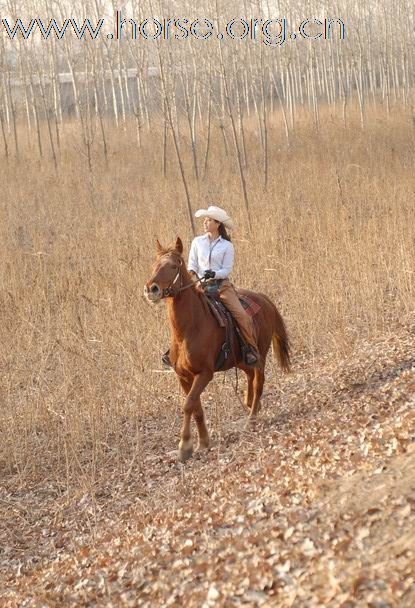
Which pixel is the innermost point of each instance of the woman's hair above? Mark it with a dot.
(223, 232)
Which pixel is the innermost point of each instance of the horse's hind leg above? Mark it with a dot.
(249, 393)
(202, 431)
(258, 386)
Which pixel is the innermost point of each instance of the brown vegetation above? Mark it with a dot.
(84, 406)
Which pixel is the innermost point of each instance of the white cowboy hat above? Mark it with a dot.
(217, 214)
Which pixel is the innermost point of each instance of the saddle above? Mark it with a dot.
(225, 319)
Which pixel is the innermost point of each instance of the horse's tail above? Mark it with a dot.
(280, 342)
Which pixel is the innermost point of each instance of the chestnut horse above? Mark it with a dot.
(196, 339)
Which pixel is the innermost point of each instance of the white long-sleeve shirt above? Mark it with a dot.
(217, 255)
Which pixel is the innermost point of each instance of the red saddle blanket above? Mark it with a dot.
(218, 309)
(251, 307)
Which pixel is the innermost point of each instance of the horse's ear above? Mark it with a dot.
(159, 247)
(179, 245)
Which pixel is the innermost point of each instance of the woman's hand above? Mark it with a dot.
(209, 274)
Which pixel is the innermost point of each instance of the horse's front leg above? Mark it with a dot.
(193, 407)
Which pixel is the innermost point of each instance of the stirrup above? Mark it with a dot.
(251, 357)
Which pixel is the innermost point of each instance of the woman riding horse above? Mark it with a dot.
(211, 257)
(196, 337)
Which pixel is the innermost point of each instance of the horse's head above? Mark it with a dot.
(166, 279)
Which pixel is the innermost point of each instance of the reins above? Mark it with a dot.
(169, 292)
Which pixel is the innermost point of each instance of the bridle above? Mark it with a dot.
(170, 292)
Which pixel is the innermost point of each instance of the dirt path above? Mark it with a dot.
(317, 508)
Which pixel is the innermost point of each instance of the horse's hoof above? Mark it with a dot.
(251, 424)
(185, 450)
(185, 455)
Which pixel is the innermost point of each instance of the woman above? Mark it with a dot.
(211, 256)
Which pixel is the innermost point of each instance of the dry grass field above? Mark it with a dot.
(88, 419)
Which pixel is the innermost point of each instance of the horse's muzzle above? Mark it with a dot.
(153, 292)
